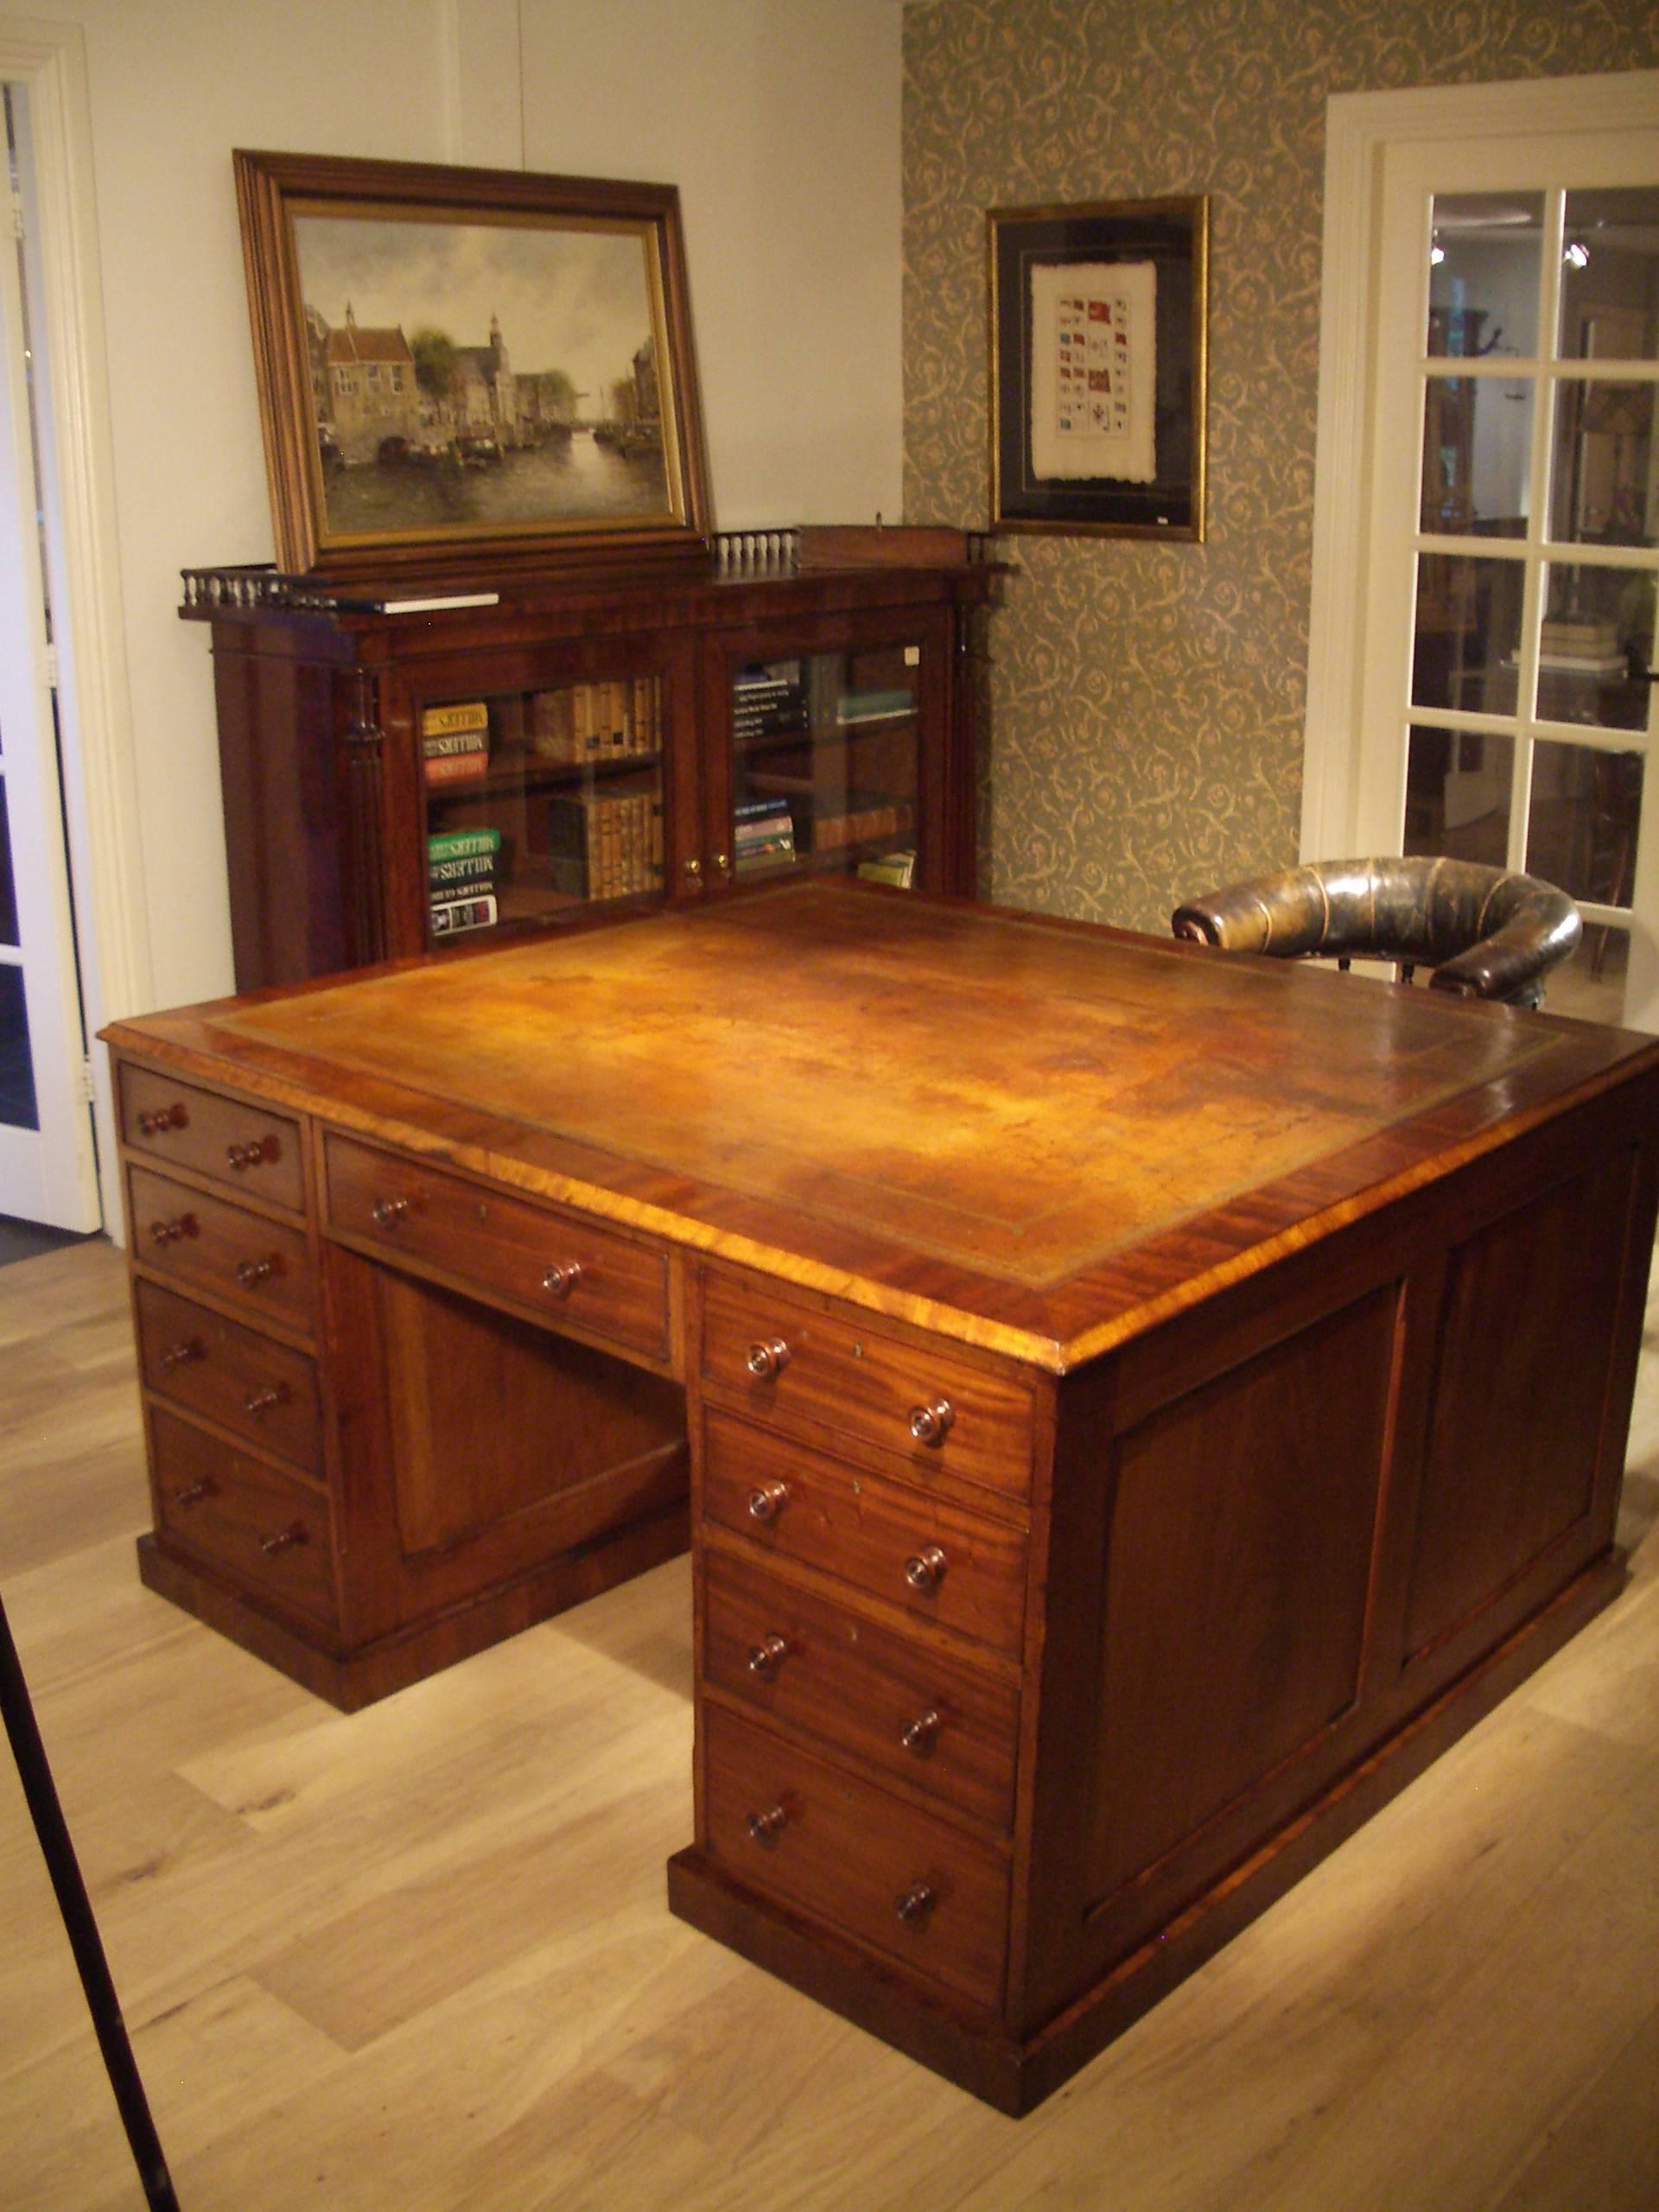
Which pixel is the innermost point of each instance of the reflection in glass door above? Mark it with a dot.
(1531, 706)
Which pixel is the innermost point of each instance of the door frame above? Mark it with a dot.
(100, 784)
(1359, 126)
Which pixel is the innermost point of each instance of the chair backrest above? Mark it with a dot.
(1488, 932)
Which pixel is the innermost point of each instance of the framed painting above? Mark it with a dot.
(1098, 367)
(463, 368)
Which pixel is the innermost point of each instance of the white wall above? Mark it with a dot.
(779, 119)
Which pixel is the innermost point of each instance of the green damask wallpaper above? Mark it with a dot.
(1146, 701)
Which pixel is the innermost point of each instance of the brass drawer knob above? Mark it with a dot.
(917, 1903)
(386, 1213)
(244, 1156)
(929, 1423)
(924, 1570)
(180, 1355)
(251, 1273)
(767, 1657)
(285, 1540)
(157, 1124)
(767, 1827)
(170, 1232)
(767, 1501)
(259, 1402)
(559, 1282)
(766, 1362)
(693, 870)
(722, 864)
(922, 1733)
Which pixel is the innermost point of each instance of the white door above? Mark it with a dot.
(47, 1163)
(1506, 520)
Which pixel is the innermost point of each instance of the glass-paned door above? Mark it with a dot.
(541, 800)
(1515, 727)
(826, 763)
(47, 1165)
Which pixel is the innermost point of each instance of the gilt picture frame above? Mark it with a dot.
(1098, 367)
(465, 369)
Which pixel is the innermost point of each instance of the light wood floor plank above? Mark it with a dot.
(419, 1958)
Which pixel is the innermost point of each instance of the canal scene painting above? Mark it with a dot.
(468, 374)
(467, 357)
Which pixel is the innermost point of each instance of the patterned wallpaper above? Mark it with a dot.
(1146, 701)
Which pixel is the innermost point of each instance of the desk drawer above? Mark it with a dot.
(799, 1829)
(895, 1703)
(249, 1383)
(270, 1534)
(890, 1539)
(248, 1148)
(786, 1363)
(209, 1243)
(555, 1264)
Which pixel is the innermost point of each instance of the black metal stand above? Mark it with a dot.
(82, 1929)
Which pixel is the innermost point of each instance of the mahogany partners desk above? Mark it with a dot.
(1140, 1404)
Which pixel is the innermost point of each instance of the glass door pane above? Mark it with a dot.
(542, 802)
(825, 763)
(1537, 518)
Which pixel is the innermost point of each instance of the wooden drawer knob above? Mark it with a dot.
(767, 1361)
(285, 1540)
(157, 1124)
(922, 1733)
(194, 1492)
(170, 1232)
(559, 1282)
(768, 1501)
(930, 1424)
(924, 1570)
(386, 1213)
(917, 1903)
(767, 1827)
(251, 1273)
(180, 1355)
(767, 1657)
(244, 1156)
(259, 1402)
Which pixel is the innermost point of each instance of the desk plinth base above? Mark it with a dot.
(976, 2052)
(352, 1678)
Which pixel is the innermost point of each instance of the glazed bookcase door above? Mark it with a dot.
(833, 751)
(541, 797)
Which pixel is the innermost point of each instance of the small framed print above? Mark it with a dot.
(1098, 367)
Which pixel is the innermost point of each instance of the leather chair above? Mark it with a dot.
(1487, 932)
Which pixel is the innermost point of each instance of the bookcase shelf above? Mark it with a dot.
(344, 840)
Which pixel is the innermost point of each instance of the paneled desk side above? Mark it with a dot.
(1141, 1406)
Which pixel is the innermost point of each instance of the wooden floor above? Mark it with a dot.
(420, 1958)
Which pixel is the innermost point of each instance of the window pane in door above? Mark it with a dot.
(18, 1109)
(1476, 440)
(1458, 794)
(1594, 647)
(1483, 272)
(1468, 632)
(1603, 491)
(1581, 826)
(1610, 276)
(7, 881)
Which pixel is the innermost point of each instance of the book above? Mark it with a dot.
(438, 602)
(455, 845)
(898, 869)
(875, 705)
(451, 916)
(446, 721)
(467, 872)
(457, 767)
(458, 741)
(602, 844)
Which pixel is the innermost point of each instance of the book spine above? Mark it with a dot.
(458, 844)
(456, 767)
(471, 872)
(451, 916)
(447, 721)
